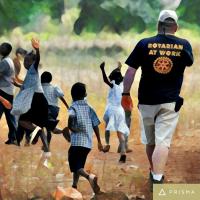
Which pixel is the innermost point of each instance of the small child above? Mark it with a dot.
(52, 94)
(20, 54)
(82, 122)
(7, 73)
(30, 105)
(114, 116)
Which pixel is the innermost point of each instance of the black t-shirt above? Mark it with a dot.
(163, 59)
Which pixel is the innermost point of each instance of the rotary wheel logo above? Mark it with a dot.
(163, 65)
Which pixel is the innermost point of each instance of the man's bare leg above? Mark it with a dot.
(159, 159)
(149, 152)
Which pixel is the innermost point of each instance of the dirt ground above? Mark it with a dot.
(23, 175)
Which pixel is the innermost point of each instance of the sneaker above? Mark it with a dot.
(106, 148)
(35, 135)
(74, 186)
(93, 182)
(11, 142)
(122, 159)
(129, 150)
(153, 181)
(48, 164)
(66, 134)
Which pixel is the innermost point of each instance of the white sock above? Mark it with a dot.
(157, 177)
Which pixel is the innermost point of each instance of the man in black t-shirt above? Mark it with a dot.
(163, 59)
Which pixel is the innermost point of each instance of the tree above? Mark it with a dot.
(189, 11)
(17, 13)
(116, 15)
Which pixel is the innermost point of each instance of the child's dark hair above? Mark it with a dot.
(116, 76)
(21, 51)
(78, 91)
(46, 77)
(5, 49)
(29, 59)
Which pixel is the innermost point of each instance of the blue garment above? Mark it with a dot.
(31, 85)
(6, 91)
(7, 73)
(85, 120)
(52, 93)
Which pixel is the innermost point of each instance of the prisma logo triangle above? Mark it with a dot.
(162, 192)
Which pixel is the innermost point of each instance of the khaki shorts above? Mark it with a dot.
(158, 123)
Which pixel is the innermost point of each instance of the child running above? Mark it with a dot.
(114, 116)
(20, 54)
(82, 122)
(30, 105)
(52, 94)
(7, 72)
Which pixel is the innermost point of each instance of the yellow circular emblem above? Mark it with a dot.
(163, 65)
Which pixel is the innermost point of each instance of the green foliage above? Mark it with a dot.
(116, 15)
(53, 17)
(20, 12)
(189, 11)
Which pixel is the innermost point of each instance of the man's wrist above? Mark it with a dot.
(126, 94)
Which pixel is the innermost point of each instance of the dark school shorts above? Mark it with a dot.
(38, 113)
(77, 157)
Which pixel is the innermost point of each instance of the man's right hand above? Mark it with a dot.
(127, 102)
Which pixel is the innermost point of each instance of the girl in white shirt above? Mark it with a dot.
(114, 116)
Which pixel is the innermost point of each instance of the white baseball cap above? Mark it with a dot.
(164, 14)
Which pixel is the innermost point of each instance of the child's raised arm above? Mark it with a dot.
(36, 46)
(105, 78)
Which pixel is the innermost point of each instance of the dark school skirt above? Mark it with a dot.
(53, 112)
(38, 113)
(77, 157)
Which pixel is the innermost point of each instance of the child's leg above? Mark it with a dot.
(91, 178)
(27, 125)
(44, 141)
(49, 136)
(128, 122)
(19, 134)
(83, 173)
(126, 146)
(28, 136)
(107, 137)
(121, 138)
(35, 130)
(122, 145)
(75, 179)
